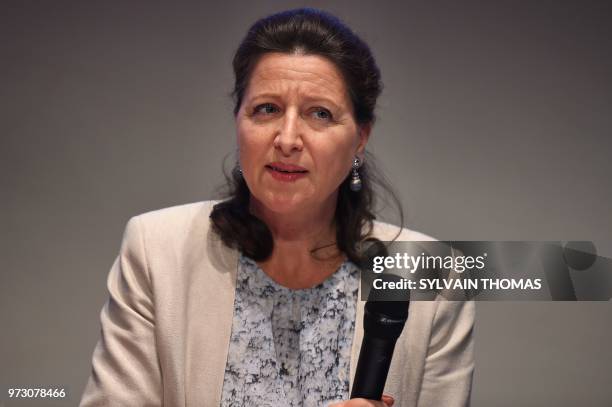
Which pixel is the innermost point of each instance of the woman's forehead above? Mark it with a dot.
(277, 72)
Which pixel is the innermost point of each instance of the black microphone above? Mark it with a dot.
(383, 322)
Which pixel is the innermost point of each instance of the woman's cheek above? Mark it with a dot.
(336, 172)
(250, 145)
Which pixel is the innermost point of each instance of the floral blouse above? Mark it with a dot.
(290, 347)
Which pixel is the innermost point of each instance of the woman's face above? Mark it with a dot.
(297, 135)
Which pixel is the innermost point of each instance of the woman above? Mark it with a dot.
(254, 300)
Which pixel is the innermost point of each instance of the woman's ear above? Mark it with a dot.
(364, 135)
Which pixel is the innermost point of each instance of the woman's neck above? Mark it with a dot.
(305, 251)
(309, 226)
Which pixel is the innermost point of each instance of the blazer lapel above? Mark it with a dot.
(357, 336)
(210, 311)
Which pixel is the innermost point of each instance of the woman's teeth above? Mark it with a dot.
(287, 171)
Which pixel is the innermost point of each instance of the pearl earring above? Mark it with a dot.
(355, 178)
(238, 169)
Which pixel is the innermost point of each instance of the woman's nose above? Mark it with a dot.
(289, 136)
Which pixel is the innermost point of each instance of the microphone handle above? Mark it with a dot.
(372, 367)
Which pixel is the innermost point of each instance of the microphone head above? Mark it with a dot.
(386, 313)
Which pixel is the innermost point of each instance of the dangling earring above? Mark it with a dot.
(355, 178)
(237, 169)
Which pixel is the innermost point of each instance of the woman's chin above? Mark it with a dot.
(283, 203)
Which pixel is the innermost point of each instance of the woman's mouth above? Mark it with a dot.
(286, 172)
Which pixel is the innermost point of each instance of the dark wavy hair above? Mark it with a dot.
(311, 32)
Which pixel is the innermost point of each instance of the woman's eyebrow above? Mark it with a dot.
(321, 98)
(270, 95)
(308, 98)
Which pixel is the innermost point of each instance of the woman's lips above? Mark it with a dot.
(286, 172)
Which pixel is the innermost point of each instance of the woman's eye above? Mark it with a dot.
(322, 114)
(266, 108)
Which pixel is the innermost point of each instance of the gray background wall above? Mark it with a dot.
(494, 124)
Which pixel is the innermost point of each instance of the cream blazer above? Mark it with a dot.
(165, 329)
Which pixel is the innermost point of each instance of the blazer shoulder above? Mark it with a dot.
(177, 212)
(177, 215)
(175, 224)
(387, 232)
